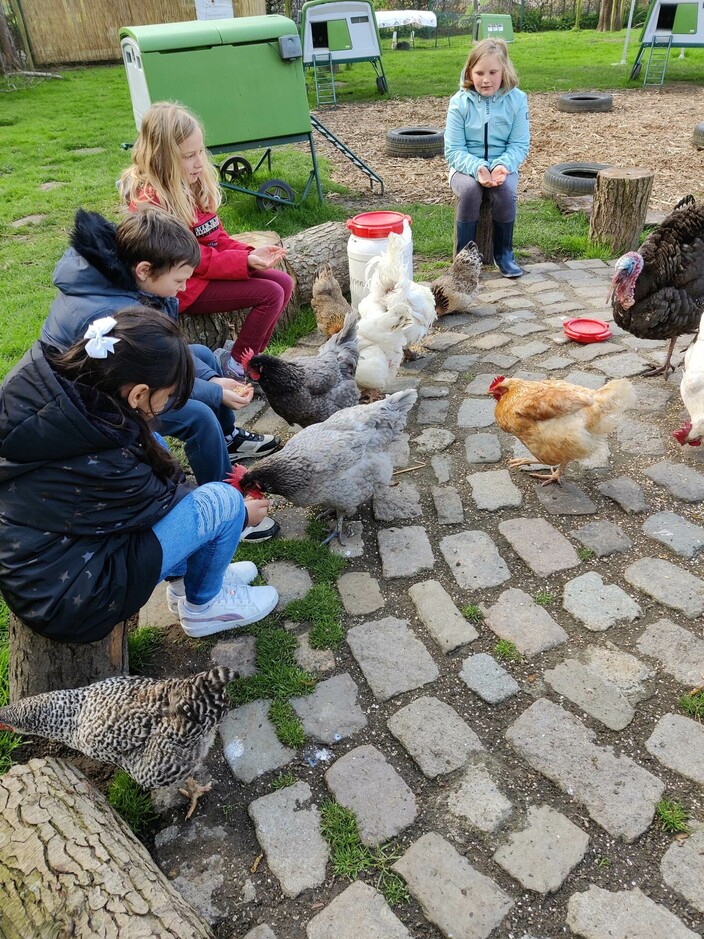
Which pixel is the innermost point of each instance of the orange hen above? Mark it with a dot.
(557, 421)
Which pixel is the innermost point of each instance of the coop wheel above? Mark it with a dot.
(698, 136)
(415, 142)
(635, 71)
(571, 179)
(274, 187)
(580, 101)
(381, 85)
(235, 169)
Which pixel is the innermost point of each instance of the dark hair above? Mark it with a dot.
(151, 351)
(150, 234)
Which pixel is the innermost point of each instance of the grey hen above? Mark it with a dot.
(456, 289)
(339, 464)
(159, 731)
(658, 291)
(308, 390)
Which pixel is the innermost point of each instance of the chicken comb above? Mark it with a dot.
(496, 381)
(235, 476)
(246, 358)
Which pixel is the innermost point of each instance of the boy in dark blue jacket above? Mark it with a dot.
(147, 259)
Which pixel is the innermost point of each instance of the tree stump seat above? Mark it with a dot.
(620, 205)
(307, 251)
(38, 664)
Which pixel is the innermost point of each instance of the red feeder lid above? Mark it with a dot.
(583, 329)
(377, 224)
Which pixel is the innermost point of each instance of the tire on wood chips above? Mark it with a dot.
(580, 101)
(571, 179)
(698, 136)
(415, 142)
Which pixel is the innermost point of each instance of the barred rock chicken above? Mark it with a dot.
(309, 389)
(455, 290)
(339, 465)
(159, 731)
(557, 421)
(692, 391)
(658, 291)
(395, 313)
(328, 303)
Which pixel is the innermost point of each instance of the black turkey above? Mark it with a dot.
(658, 291)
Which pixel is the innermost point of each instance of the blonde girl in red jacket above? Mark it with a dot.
(170, 168)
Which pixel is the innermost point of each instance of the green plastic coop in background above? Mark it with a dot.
(493, 26)
(243, 77)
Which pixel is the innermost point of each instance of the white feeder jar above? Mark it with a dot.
(369, 239)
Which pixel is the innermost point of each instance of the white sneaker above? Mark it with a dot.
(230, 609)
(240, 572)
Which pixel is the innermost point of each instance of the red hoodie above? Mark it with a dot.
(221, 257)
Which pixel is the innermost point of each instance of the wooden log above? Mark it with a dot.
(620, 205)
(38, 664)
(213, 329)
(485, 230)
(313, 247)
(69, 866)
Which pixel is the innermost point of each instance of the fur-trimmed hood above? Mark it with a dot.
(93, 282)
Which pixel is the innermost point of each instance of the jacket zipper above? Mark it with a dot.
(486, 134)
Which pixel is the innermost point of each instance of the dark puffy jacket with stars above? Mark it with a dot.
(77, 504)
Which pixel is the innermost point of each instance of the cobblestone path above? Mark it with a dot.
(521, 795)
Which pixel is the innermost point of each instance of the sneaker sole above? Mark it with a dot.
(198, 630)
(256, 538)
(253, 454)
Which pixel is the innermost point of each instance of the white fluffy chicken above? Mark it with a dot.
(395, 313)
(692, 391)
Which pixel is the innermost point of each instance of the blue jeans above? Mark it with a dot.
(199, 537)
(202, 424)
(469, 192)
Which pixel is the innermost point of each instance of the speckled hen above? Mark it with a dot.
(658, 291)
(159, 731)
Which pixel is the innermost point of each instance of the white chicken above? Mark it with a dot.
(395, 313)
(692, 391)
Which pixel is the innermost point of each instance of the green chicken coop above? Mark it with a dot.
(242, 77)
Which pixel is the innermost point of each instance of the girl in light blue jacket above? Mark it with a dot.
(487, 136)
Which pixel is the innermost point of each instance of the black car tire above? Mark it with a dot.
(415, 142)
(571, 179)
(582, 101)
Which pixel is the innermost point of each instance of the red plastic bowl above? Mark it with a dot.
(583, 329)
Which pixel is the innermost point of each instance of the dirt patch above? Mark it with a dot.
(645, 128)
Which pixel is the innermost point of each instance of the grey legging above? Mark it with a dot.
(469, 198)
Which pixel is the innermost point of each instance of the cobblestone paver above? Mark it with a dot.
(519, 794)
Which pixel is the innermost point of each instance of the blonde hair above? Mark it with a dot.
(497, 47)
(156, 172)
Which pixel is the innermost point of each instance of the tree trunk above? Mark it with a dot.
(9, 55)
(605, 15)
(69, 867)
(213, 329)
(620, 206)
(38, 664)
(616, 15)
(313, 247)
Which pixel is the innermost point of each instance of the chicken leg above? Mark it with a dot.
(337, 531)
(554, 476)
(193, 790)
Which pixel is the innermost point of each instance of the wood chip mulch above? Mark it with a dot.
(645, 128)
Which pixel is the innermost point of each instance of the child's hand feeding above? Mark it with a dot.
(264, 257)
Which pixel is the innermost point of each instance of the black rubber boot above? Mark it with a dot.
(466, 232)
(503, 250)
